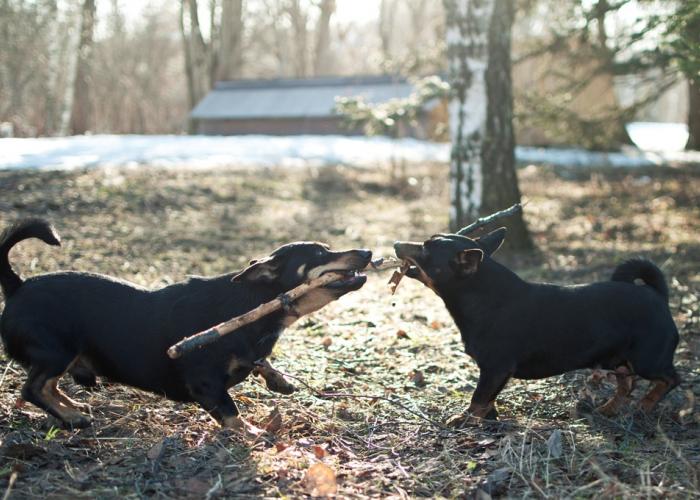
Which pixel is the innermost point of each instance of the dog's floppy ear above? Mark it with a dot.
(264, 269)
(467, 261)
(492, 241)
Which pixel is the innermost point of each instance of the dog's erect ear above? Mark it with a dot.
(265, 269)
(492, 241)
(467, 261)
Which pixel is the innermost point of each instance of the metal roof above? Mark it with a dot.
(290, 98)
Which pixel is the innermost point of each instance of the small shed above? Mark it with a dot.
(294, 106)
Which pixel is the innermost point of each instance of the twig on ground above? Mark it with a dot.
(11, 483)
(483, 221)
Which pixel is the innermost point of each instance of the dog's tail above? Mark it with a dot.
(29, 228)
(642, 269)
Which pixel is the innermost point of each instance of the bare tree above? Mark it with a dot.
(80, 114)
(322, 63)
(694, 113)
(482, 170)
(387, 18)
(230, 50)
(298, 18)
(197, 56)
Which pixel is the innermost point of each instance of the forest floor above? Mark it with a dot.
(397, 360)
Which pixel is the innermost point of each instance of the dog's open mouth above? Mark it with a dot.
(352, 278)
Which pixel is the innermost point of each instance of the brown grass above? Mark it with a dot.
(156, 226)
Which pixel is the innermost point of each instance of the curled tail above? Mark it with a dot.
(28, 228)
(642, 269)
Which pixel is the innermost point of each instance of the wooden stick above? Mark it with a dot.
(483, 221)
(215, 332)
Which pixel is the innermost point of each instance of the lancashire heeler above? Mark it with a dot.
(513, 328)
(92, 324)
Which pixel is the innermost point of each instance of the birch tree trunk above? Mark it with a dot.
(482, 163)
(72, 56)
(80, 116)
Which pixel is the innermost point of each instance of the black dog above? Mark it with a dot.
(94, 324)
(513, 328)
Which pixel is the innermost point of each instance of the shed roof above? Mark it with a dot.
(294, 98)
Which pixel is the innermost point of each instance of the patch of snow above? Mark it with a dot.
(66, 153)
(657, 136)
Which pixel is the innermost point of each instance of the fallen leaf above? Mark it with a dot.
(326, 342)
(320, 481)
(554, 445)
(318, 451)
(273, 422)
(435, 325)
(156, 450)
(401, 334)
(418, 378)
(280, 447)
(196, 487)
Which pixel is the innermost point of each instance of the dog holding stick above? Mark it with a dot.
(89, 324)
(514, 328)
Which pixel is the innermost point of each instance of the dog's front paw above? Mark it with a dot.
(280, 385)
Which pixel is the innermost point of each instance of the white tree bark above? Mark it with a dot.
(467, 30)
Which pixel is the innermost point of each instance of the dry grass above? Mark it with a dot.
(154, 227)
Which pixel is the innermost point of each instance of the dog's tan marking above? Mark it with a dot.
(480, 411)
(625, 385)
(658, 390)
(301, 270)
(234, 365)
(313, 301)
(274, 380)
(319, 270)
(49, 395)
(63, 399)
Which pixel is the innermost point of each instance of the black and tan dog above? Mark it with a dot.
(92, 324)
(513, 328)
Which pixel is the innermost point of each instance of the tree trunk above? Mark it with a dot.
(297, 17)
(80, 116)
(322, 63)
(72, 57)
(387, 13)
(229, 60)
(498, 153)
(482, 167)
(694, 114)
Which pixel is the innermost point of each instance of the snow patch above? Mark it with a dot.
(67, 153)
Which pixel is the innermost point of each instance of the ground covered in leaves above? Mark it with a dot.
(377, 375)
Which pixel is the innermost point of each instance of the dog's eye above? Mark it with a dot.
(319, 253)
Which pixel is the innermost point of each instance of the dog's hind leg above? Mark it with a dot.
(659, 388)
(40, 389)
(625, 385)
(64, 400)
